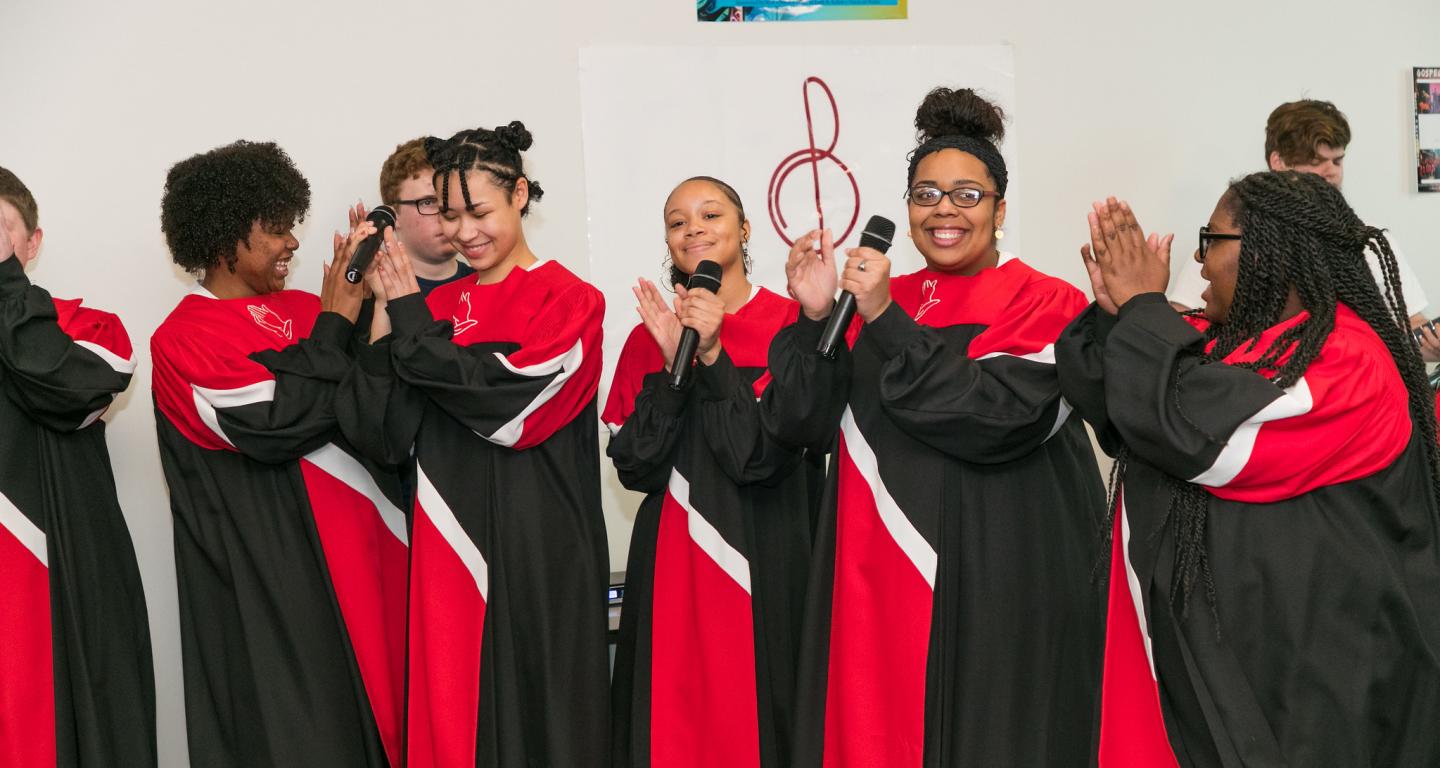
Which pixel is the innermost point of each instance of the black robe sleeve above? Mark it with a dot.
(274, 406)
(1167, 405)
(990, 410)
(377, 412)
(1230, 428)
(643, 449)
(1080, 365)
(808, 393)
(743, 449)
(62, 382)
(515, 399)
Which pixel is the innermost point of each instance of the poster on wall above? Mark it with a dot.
(798, 10)
(1427, 128)
(804, 134)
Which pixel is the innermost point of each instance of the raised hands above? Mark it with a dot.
(339, 295)
(662, 323)
(1121, 260)
(810, 273)
(336, 293)
(397, 275)
(704, 311)
(867, 277)
(699, 309)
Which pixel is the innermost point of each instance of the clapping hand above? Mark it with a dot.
(810, 273)
(662, 323)
(1121, 260)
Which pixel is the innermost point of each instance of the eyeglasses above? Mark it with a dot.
(1206, 236)
(425, 206)
(927, 196)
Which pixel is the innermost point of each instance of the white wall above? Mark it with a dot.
(1158, 103)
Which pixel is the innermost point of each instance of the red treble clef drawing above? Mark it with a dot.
(812, 155)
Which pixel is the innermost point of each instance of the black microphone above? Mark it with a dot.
(707, 275)
(383, 216)
(878, 232)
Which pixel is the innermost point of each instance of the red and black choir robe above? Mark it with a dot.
(951, 617)
(494, 387)
(76, 683)
(1321, 537)
(290, 552)
(715, 582)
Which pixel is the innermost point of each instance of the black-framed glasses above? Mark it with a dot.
(927, 196)
(1206, 236)
(425, 206)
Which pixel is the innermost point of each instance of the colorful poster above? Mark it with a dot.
(1427, 128)
(798, 10)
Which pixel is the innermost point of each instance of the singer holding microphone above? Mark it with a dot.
(715, 582)
(289, 550)
(952, 617)
(489, 383)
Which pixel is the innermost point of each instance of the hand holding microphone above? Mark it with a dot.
(704, 312)
(382, 218)
(865, 283)
(706, 277)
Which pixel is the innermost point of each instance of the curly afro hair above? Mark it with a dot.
(213, 199)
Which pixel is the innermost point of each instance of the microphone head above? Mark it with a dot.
(384, 216)
(707, 275)
(879, 231)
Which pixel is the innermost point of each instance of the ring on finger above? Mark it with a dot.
(861, 265)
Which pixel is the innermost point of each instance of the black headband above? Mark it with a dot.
(980, 148)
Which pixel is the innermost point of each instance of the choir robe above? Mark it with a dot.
(715, 582)
(951, 618)
(491, 388)
(76, 683)
(1321, 537)
(290, 552)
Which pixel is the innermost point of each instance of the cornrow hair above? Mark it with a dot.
(494, 151)
(1298, 232)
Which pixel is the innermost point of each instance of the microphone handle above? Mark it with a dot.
(684, 357)
(360, 261)
(840, 319)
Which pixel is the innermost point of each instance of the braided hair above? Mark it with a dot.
(1298, 232)
(494, 151)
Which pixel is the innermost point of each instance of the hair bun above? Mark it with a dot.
(535, 191)
(946, 112)
(434, 148)
(515, 135)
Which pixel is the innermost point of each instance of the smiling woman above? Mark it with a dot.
(485, 389)
(963, 497)
(1273, 580)
(289, 556)
(715, 580)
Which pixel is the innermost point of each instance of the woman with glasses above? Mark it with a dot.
(715, 582)
(952, 621)
(488, 385)
(1274, 587)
